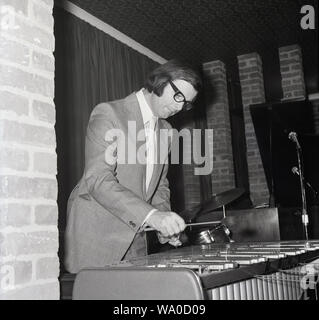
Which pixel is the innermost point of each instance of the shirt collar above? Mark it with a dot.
(146, 111)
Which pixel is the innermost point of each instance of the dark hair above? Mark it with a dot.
(172, 70)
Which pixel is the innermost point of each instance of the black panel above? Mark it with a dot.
(273, 123)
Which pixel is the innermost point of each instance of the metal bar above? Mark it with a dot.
(190, 225)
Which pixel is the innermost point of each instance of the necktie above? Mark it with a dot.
(150, 127)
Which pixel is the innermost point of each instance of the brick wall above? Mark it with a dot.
(315, 104)
(252, 89)
(29, 264)
(217, 110)
(291, 68)
(191, 181)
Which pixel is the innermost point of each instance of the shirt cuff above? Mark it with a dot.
(148, 215)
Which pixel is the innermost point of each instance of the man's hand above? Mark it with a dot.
(173, 241)
(168, 223)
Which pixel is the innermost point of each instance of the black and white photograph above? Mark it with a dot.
(160, 151)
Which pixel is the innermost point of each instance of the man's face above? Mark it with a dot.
(165, 106)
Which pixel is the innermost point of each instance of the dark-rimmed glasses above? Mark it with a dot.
(179, 97)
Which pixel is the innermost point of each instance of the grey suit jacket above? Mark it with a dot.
(109, 204)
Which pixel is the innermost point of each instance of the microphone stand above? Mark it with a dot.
(314, 191)
(305, 219)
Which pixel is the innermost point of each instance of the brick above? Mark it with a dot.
(296, 67)
(39, 242)
(14, 214)
(22, 271)
(289, 48)
(14, 52)
(247, 56)
(252, 94)
(212, 64)
(251, 146)
(46, 215)
(255, 75)
(42, 15)
(254, 63)
(245, 89)
(284, 69)
(252, 81)
(12, 131)
(27, 188)
(300, 93)
(48, 291)
(251, 153)
(13, 102)
(45, 163)
(23, 80)
(286, 82)
(287, 94)
(257, 87)
(291, 75)
(219, 82)
(249, 70)
(47, 268)
(242, 64)
(43, 61)
(283, 56)
(218, 70)
(244, 76)
(33, 34)
(208, 65)
(296, 55)
(246, 102)
(257, 100)
(19, 6)
(292, 87)
(43, 111)
(288, 62)
(15, 159)
(297, 80)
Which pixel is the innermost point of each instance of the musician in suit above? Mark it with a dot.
(115, 200)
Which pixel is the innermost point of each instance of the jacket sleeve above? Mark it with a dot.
(101, 180)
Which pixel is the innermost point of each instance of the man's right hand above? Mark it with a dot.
(168, 223)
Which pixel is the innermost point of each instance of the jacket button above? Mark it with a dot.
(132, 224)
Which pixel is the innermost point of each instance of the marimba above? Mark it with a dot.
(229, 271)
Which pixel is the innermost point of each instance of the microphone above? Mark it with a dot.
(294, 170)
(293, 137)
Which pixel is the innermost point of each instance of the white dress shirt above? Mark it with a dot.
(150, 122)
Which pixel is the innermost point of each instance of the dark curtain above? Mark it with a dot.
(91, 67)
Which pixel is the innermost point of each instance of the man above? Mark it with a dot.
(114, 201)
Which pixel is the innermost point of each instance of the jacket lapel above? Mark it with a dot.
(135, 115)
(158, 166)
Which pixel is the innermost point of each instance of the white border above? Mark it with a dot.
(99, 24)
